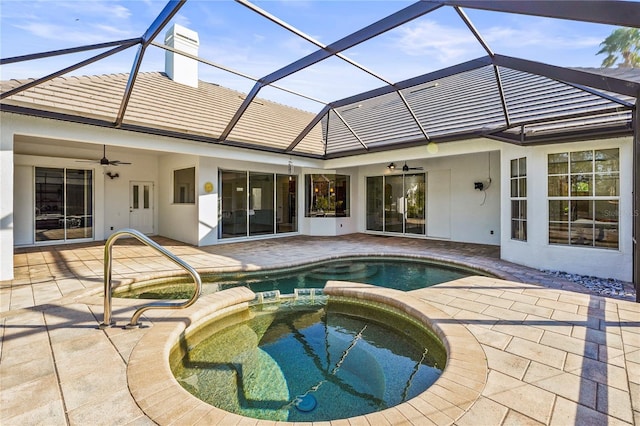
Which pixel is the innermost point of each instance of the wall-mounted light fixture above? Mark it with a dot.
(112, 175)
(391, 166)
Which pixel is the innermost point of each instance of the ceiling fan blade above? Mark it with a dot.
(104, 161)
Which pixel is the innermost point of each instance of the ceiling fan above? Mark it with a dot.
(406, 168)
(104, 161)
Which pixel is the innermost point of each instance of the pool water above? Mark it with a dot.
(397, 273)
(311, 363)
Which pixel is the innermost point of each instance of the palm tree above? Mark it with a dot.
(624, 42)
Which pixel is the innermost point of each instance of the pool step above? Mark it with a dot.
(344, 272)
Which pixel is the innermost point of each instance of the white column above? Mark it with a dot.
(6, 202)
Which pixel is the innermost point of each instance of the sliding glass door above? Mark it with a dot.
(255, 204)
(63, 204)
(397, 203)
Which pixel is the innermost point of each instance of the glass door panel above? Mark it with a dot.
(286, 190)
(233, 204)
(49, 204)
(79, 212)
(375, 202)
(261, 199)
(414, 185)
(140, 210)
(394, 204)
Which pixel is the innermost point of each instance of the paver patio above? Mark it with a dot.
(553, 353)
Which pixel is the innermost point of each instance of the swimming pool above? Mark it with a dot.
(298, 361)
(400, 273)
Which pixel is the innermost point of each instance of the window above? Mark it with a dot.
(184, 186)
(519, 199)
(63, 204)
(584, 192)
(326, 195)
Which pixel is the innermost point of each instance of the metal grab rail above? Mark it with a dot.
(154, 305)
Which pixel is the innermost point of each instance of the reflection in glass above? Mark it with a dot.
(582, 162)
(136, 196)
(394, 204)
(286, 190)
(63, 204)
(234, 204)
(415, 203)
(261, 217)
(558, 210)
(522, 166)
(522, 182)
(558, 233)
(514, 168)
(184, 186)
(49, 203)
(146, 196)
(606, 223)
(327, 195)
(558, 163)
(607, 185)
(518, 199)
(79, 202)
(607, 160)
(375, 212)
(581, 185)
(558, 186)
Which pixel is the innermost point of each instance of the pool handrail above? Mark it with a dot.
(108, 321)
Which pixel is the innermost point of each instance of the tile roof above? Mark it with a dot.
(157, 102)
(456, 106)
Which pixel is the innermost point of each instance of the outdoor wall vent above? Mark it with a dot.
(179, 68)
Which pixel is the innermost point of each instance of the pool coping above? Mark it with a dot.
(165, 401)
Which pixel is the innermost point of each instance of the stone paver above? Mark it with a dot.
(553, 356)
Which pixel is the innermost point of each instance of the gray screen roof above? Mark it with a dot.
(496, 96)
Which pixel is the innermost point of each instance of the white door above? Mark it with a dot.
(141, 206)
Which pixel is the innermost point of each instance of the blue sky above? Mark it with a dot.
(233, 36)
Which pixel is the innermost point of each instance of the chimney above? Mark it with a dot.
(180, 68)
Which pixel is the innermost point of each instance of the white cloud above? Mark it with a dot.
(101, 9)
(111, 32)
(448, 44)
(88, 35)
(435, 40)
(542, 36)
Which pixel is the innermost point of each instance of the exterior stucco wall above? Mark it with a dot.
(536, 251)
(455, 211)
(177, 221)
